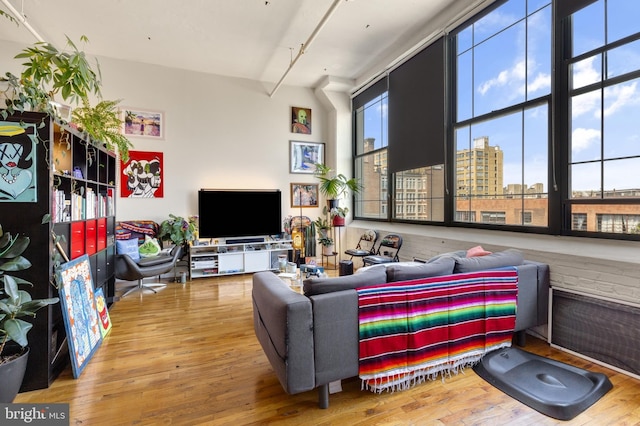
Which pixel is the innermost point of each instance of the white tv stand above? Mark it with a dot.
(236, 256)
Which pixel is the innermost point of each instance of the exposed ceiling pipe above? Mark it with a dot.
(306, 44)
(20, 17)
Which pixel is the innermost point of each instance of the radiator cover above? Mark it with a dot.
(599, 329)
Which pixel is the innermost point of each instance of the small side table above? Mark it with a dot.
(335, 261)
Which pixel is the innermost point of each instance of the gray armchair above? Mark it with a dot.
(129, 270)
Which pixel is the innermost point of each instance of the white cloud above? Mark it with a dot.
(623, 94)
(582, 139)
(506, 77)
(585, 73)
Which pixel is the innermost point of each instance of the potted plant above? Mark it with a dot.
(48, 72)
(338, 214)
(334, 186)
(178, 230)
(322, 226)
(327, 245)
(15, 304)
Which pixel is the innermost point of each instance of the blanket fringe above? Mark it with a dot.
(403, 379)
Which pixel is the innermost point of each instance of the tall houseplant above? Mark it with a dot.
(335, 185)
(15, 304)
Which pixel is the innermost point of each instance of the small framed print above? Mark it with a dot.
(303, 156)
(304, 195)
(142, 123)
(301, 120)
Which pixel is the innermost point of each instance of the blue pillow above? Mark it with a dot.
(128, 247)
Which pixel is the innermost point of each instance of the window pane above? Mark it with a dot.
(539, 54)
(620, 176)
(420, 194)
(623, 59)
(371, 170)
(587, 71)
(464, 86)
(585, 127)
(616, 218)
(536, 152)
(464, 40)
(622, 16)
(500, 71)
(585, 180)
(588, 28)
(621, 112)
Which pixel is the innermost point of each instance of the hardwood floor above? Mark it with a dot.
(188, 355)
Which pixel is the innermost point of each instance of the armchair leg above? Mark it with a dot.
(323, 396)
(142, 287)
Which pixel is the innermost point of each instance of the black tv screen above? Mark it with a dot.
(239, 213)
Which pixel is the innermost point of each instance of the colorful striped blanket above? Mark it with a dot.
(415, 330)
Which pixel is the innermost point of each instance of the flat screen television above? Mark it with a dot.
(239, 213)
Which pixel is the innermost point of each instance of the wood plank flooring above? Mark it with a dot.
(188, 356)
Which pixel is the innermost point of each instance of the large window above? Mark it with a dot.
(503, 76)
(371, 123)
(603, 66)
(541, 118)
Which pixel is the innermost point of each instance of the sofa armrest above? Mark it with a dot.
(283, 323)
(335, 325)
(533, 295)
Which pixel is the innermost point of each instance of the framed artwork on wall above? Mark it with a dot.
(79, 311)
(303, 156)
(18, 162)
(142, 123)
(142, 176)
(301, 120)
(304, 195)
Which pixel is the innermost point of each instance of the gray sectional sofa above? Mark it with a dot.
(311, 339)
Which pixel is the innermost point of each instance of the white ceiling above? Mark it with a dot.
(254, 39)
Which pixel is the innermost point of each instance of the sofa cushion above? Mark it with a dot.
(477, 251)
(459, 253)
(128, 247)
(510, 257)
(414, 271)
(374, 275)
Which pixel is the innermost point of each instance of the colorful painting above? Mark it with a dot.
(79, 311)
(304, 195)
(141, 123)
(303, 156)
(301, 120)
(18, 162)
(142, 176)
(103, 313)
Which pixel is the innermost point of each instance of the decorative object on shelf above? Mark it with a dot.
(142, 123)
(17, 162)
(79, 311)
(142, 175)
(304, 195)
(15, 304)
(301, 120)
(48, 72)
(304, 156)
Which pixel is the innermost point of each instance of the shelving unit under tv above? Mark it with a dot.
(236, 256)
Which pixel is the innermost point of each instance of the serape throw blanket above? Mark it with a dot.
(412, 331)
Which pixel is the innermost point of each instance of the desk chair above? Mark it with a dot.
(129, 270)
(387, 251)
(367, 239)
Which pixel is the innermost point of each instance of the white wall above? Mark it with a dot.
(220, 132)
